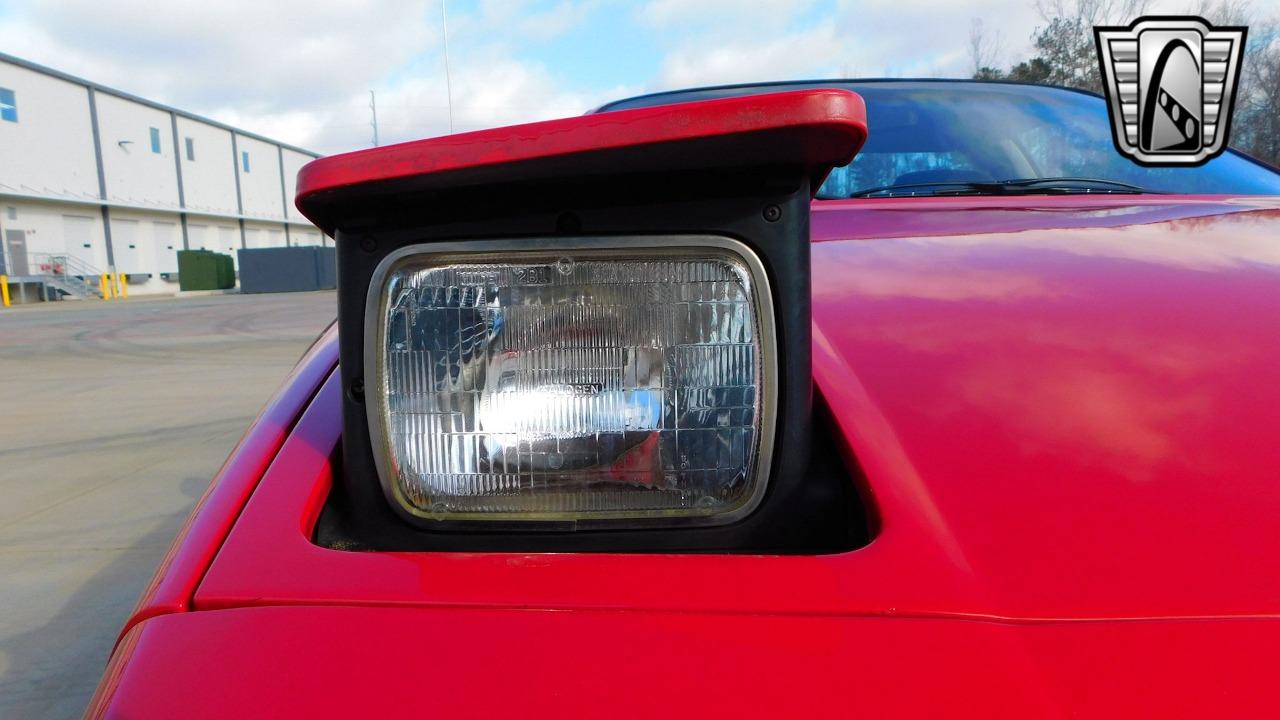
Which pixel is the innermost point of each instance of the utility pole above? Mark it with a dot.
(373, 107)
(448, 82)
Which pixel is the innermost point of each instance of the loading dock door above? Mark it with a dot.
(165, 241)
(228, 241)
(77, 234)
(198, 236)
(130, 254)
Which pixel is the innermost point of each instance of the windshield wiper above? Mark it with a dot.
(1083, 183)
(1023, 186)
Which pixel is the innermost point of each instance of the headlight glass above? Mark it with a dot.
(561, 384)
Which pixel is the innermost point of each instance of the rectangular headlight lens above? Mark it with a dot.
(634, 382)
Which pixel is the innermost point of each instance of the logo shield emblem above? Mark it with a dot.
(1170, 85)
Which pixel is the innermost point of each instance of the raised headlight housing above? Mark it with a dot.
(610, 382)
(586, 335)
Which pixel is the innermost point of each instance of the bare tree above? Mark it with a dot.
(1223, 12)
(1064, 51)
(1256, 123)
(1065, 42)
(1256, 127)
(1065, 55)
(984, 51)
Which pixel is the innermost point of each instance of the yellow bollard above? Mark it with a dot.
(104, 284)
(4, 289)
(122, 286)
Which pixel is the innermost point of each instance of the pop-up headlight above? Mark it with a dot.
(588, 334)
(629, 383)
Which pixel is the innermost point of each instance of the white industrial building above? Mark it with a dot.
(111, 180)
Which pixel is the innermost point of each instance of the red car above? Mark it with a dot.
(672, 410)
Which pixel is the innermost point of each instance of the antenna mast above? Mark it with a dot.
(448, 82)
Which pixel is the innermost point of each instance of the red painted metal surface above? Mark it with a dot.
(321, 663)
(1065, 411)
(1056, 423)
(941, 216)
(1090, 404)
(188, 557)
(815, 129)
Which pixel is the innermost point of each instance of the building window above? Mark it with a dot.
(191, 150)
(155, 140)
(244, 160)
(8, 105)
(13, 212)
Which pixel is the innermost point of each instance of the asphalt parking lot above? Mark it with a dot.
(113, 419)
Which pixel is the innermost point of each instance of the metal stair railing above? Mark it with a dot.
(67, 274)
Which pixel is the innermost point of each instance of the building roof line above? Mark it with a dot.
(97, 87)
(95, 202)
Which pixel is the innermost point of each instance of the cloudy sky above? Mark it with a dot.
(300, 70)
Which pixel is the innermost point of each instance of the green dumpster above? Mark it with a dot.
(205, 270)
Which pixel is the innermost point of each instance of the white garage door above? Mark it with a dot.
(306, 237)
(166, 242)
(198, 236)
(77, 236)
(133, 254)
(229, 242)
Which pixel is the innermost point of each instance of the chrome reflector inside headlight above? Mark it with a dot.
(630, 383)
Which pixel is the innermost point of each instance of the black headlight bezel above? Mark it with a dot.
(773, 225)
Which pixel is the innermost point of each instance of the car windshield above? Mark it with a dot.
(944, 137)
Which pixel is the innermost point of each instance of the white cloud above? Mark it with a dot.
(267, 55)
(808, 53)
(721, 41)
(494, 92)
(529, 21)
(301, 71)
(723, 13)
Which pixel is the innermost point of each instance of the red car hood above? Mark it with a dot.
(1066, 412)
(310, 662)
(1083, 393)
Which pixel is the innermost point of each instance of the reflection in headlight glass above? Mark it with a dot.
(534, 386)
